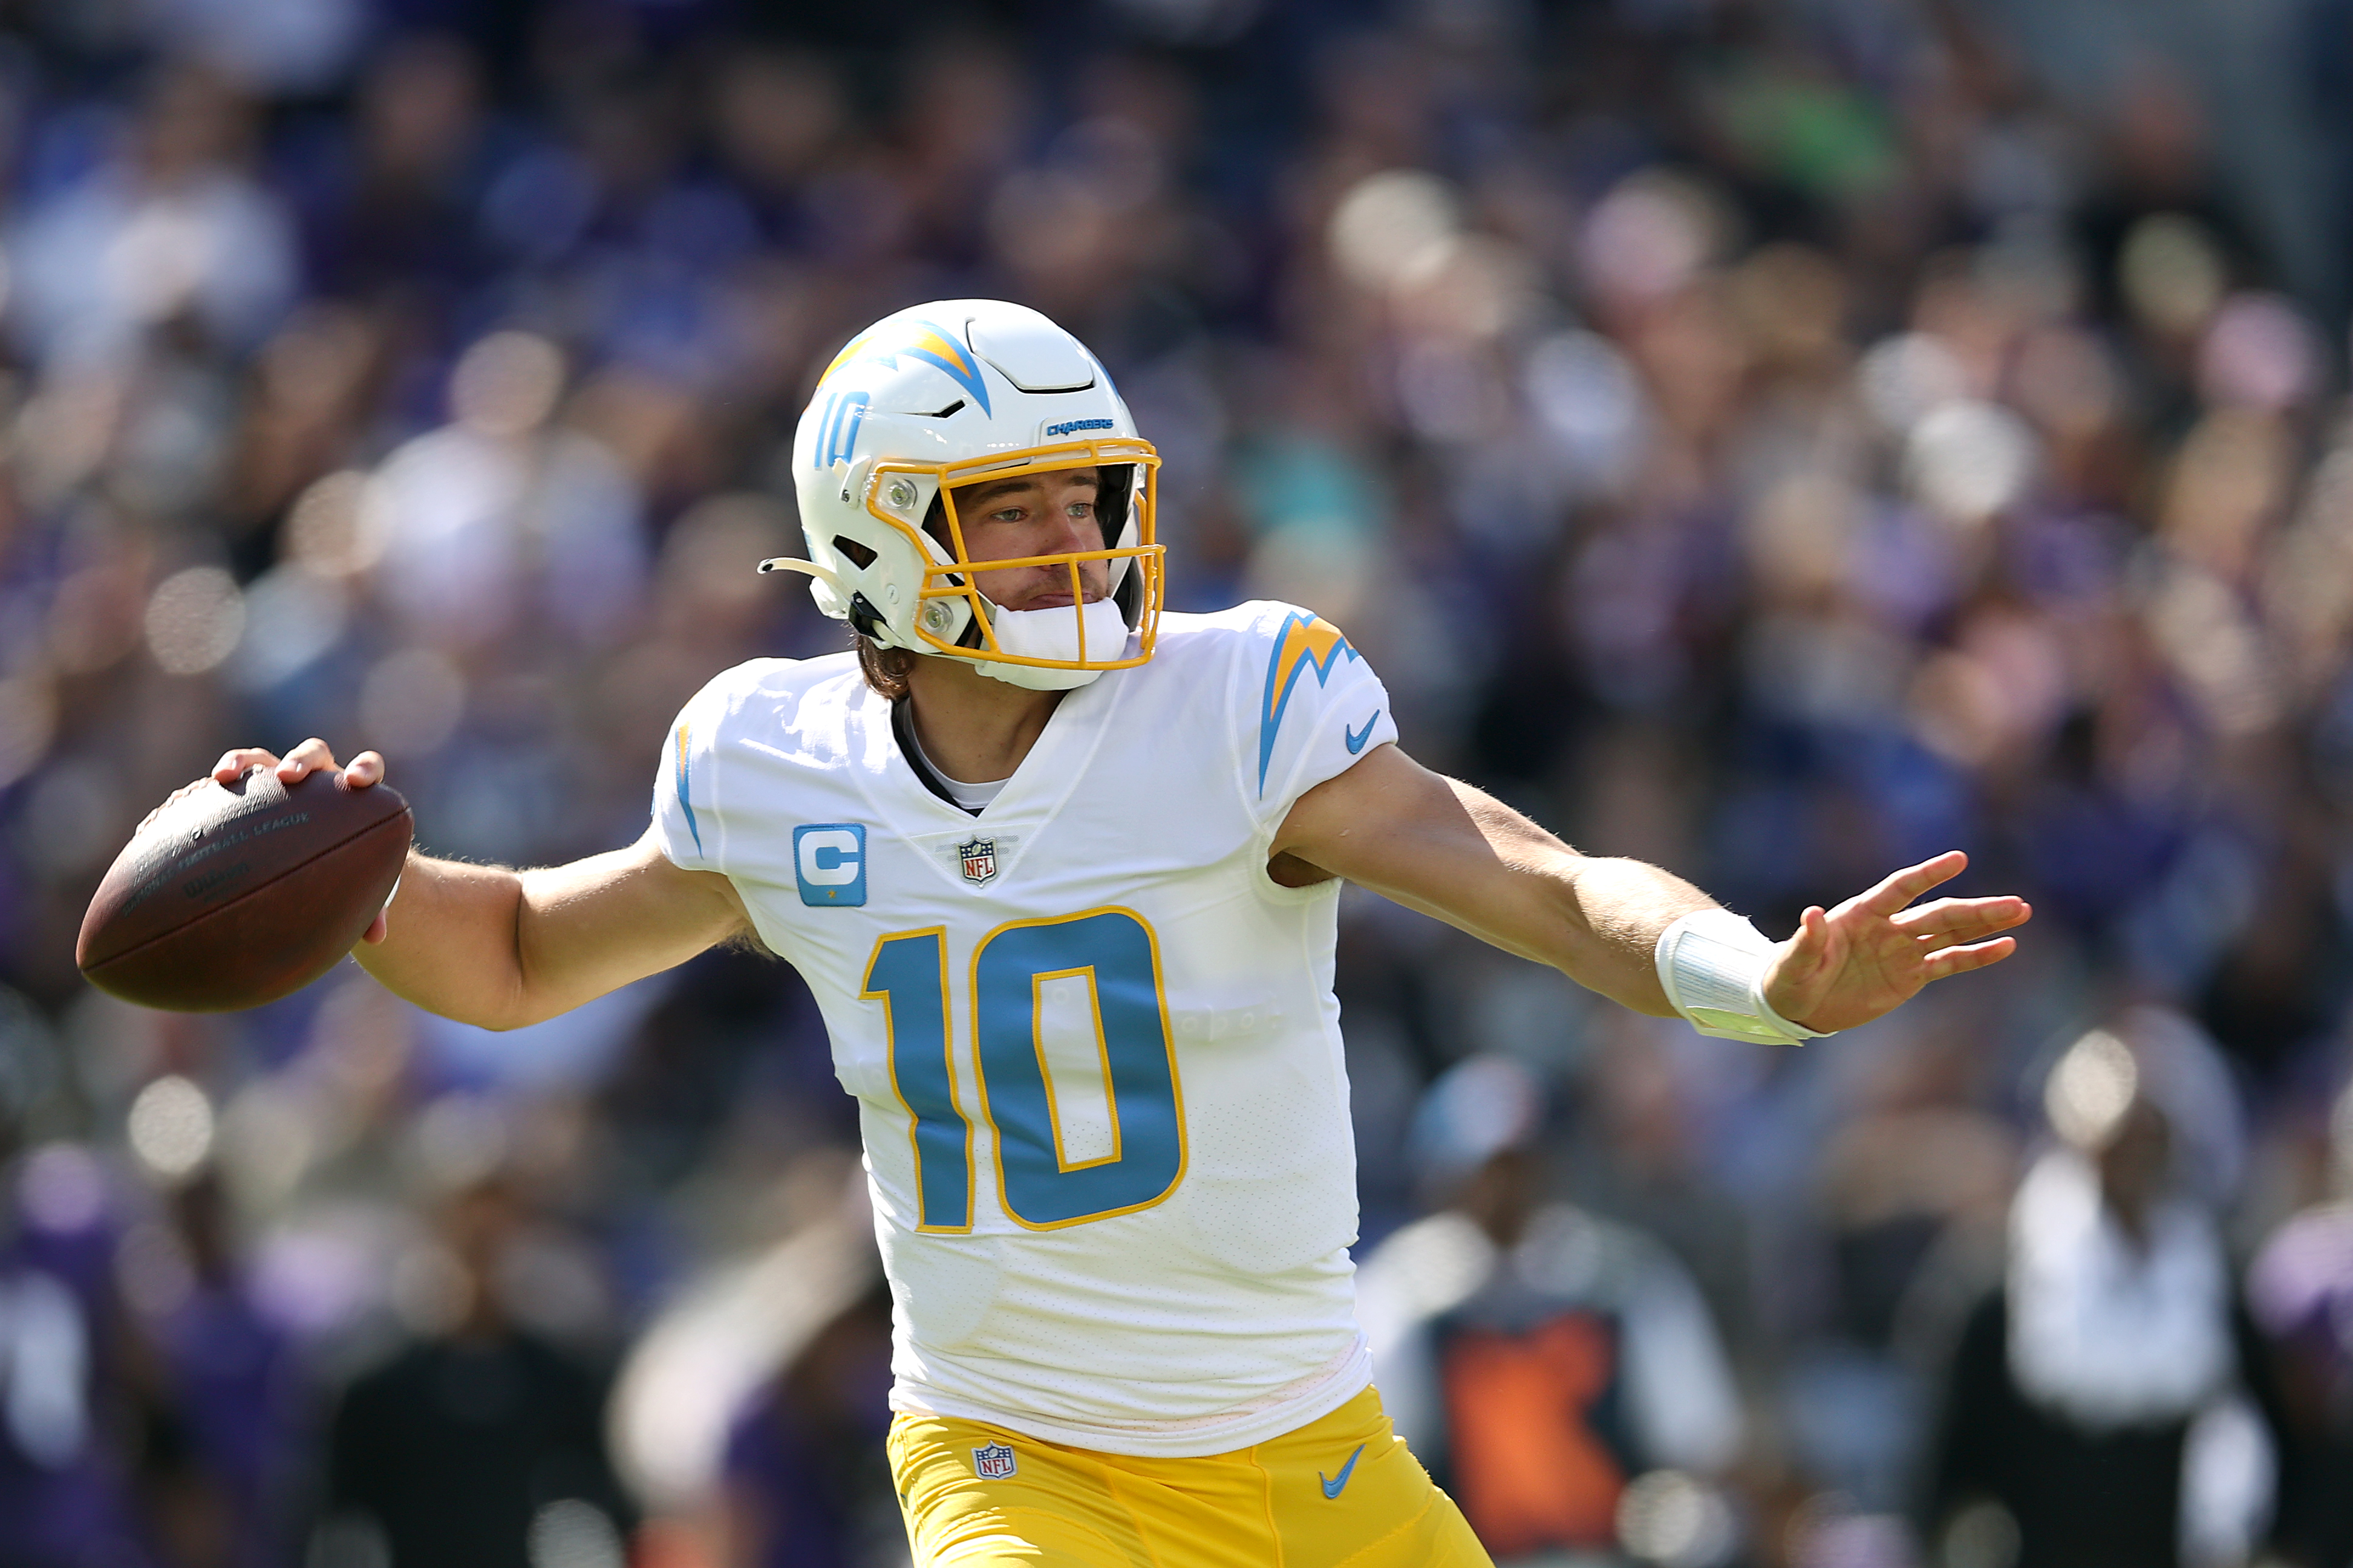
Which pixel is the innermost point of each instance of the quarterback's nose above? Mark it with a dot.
(1065, 534)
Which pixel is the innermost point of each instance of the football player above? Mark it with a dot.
(1061, 870)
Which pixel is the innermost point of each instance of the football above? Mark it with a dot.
(230, 896)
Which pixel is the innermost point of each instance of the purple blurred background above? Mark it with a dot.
(1775, 439)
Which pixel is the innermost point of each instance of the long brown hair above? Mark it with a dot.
(885, 669)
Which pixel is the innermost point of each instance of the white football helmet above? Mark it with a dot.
(950, 393)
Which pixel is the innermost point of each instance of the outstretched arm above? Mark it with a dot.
(1446, 849)
(500, 948)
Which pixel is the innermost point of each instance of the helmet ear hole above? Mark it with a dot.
(1115, 496)
(867, 622)
(1114, 510)
(859, 555)
(1129, 595)
(936, 524)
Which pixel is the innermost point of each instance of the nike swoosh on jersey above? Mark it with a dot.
(1356, 737)
(1339, 1483)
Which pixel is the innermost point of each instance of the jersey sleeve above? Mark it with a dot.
(686, 787)
(1318, 708)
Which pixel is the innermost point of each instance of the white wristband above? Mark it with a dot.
(1712, 963)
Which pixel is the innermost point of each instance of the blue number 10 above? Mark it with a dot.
(1114, 951)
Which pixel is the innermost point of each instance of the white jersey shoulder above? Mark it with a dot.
(1303, 703)
(785, 709)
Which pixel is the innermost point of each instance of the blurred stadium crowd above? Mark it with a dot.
(1776, 440)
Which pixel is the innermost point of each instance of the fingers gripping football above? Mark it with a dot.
(314, 755)
(311, 756)
(1871, 954)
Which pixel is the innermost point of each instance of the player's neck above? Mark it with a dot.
(972, 729)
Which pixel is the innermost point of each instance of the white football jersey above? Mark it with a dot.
(1095, 1046)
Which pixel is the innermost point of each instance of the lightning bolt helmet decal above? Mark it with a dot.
(931, 343)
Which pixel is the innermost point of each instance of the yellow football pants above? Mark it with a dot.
(1341, 1491)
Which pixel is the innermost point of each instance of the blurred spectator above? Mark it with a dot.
(64, 1497)
(1537, 1359)
(501, 519)
(2111, 1403)
(390, 213)
(800, 1486)
(749, 1413)
(480, 1445)
(223, 1463)
(2300, 1290)
(168, 230)
(1912, 1192)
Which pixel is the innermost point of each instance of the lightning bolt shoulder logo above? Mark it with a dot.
(1303, 642)
(924, 340)
(684, 803)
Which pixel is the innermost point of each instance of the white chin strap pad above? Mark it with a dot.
(1054, 634)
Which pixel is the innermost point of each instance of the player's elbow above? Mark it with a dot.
(529, 999)
(499, 1015)
(503, 999)
(505, 1021)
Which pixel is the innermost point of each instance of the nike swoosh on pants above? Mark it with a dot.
(1337, 1484)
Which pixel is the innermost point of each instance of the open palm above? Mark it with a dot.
(1873, 953)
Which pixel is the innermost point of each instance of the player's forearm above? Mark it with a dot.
(1595, 919)
(1621, 907)
(450, 942)
(1455, 852)
(597, 924)
(500, 948)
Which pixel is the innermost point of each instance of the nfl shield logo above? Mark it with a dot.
(994, 1463)
(978, 856)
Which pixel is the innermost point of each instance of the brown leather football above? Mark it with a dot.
(232, 896)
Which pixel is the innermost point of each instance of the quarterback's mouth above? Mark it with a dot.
(1052, 599)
